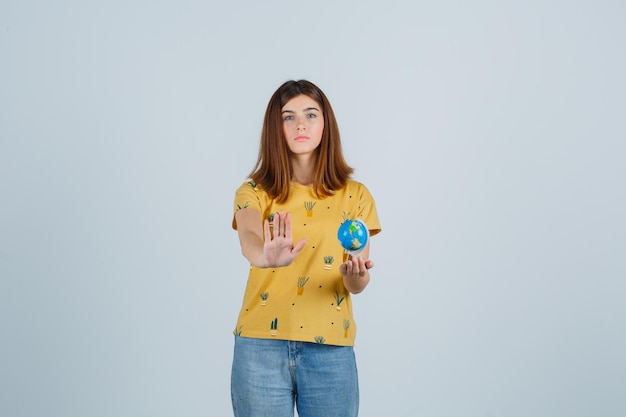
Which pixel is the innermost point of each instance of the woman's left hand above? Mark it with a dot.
(355, 267)
(356, 274)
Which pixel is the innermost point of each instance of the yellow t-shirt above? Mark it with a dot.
(305, 301)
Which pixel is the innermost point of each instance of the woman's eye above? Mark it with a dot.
(311, 115)
(288, 118)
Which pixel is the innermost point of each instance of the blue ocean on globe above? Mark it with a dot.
(353, 235)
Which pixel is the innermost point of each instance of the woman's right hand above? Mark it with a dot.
(278, 247)
(265, 246)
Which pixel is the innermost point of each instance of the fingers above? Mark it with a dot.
(282, 224)
(287, 225)
(278, 224)
(357, 266)
(267, 235)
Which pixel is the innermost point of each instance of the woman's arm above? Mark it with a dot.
(266, 247)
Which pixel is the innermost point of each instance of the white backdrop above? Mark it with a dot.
(491, 134)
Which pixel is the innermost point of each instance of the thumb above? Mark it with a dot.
(299, 246)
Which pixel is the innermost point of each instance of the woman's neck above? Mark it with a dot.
(303, 169)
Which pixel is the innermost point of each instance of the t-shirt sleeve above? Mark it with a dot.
(367, 211)
(246, 196)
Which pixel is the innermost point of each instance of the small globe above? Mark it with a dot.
(353, 235)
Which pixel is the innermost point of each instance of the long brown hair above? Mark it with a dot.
(273, 170)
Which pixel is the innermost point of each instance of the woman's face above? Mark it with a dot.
(303, 124)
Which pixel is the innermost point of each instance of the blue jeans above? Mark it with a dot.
(270, 376)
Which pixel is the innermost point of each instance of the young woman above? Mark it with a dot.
(295, 333)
